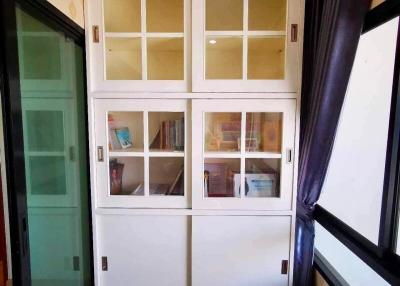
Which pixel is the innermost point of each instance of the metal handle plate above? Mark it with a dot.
(294, 32)
(100, 154)
(96, 34)
(289, 156)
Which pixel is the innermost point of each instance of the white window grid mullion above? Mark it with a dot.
(245, 36)
(165, 35)
(146, 154)
(144, 40)
(224, 33)
(242, 155)
(123, 35)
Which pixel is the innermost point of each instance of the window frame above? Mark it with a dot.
(382, 258)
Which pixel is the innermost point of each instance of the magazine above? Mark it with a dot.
(124, 137)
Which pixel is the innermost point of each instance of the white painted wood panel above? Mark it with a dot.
(237, 251)
(144, 250)
(97, 54)
(102, 108)
(291, 80)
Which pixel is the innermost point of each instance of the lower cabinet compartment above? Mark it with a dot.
(193, 250)
(240, 250)
(144, 250)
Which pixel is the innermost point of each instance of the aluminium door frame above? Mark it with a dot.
(13, 127)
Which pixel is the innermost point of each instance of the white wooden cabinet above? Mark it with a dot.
(139, 45)
(145, 250)
(246, 45)
(240, 250)
(243, 145)
(146, 174)
(203, 190)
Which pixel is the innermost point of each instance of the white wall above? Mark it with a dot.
(72, 8)
(353, 186)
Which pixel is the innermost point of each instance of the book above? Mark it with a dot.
(257, 185)
(218, 179)
(158, 189)
(116, 172)
(271, 136)
(113, 140)
(170, 136)
(124, 137)
(176, 188)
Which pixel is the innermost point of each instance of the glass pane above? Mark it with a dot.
(127, 176)
(122, 15)
(167, 176)
(55, 138)
(166, 131)
(266, 58)
(262, 178)
(46, 64)
(125, 131)
(47, 175)
(224, 58)
(348, 265)
(224, 15)
(50, 138)
(164, 16)
(222, 131)
(165, 58)
(264, 132)
(267, 15)
(358, 160)
(123, 59)
(222, 177)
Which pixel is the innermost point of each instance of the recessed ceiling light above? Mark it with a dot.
(212, 42)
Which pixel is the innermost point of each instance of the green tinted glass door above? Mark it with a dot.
(54, 132)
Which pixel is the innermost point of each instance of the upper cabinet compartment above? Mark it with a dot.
(246, 45)
(139, 45)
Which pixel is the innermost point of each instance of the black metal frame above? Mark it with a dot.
(13, 142)
(382, 258)
(386, 264)
(12, 122)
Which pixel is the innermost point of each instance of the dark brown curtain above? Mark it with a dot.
(332, 31)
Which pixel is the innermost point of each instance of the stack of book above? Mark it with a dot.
(170, 136)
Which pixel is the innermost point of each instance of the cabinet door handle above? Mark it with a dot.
(96, 34)
(104, 263)
(289, 156)
(284, 267)
(100, 154)
(294, 32)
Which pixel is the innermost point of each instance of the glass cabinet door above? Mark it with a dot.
(245, 45)
(141, 46)
(141, 153)
(50, 153)
(243, 155)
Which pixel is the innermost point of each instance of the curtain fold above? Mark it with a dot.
(331, 34)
